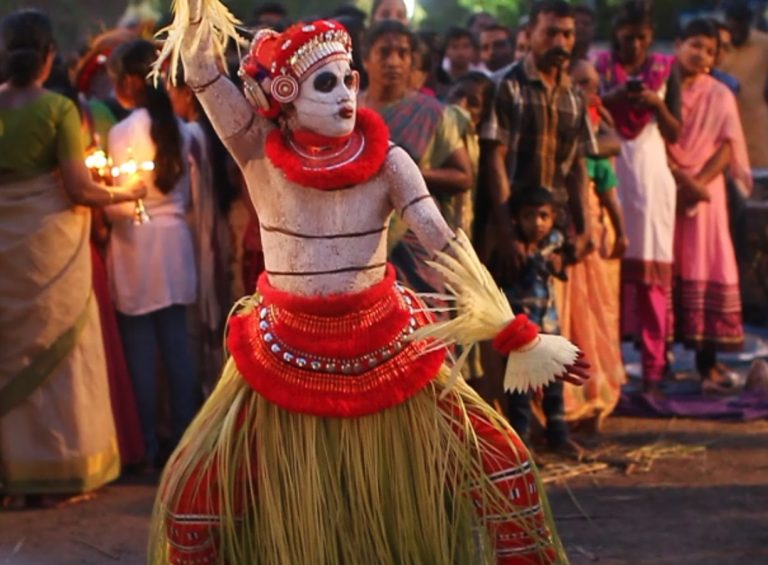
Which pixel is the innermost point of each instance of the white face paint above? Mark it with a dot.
(328, 99)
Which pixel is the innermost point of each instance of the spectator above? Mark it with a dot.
(480, 21)
(94, 83)
(152, 266)
(529, 149)
(461, 53)
(423, 69)
(589, 305)
(533, 212)
(420, 125)
(522, 43)
(725, 45)
(470, 99)
(586, 20)
(707, 295)
(211, 196)
(269, 15)
(57, 433)
(748, 63)
(642, 93)
(389, 10)
(496, 48)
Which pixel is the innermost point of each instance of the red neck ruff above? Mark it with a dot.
(330, 163)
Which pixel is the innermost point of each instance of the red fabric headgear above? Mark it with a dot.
(287, 58)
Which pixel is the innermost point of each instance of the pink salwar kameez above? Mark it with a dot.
(646, 191)
(706, 281)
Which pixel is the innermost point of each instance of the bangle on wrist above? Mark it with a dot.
(198, 88)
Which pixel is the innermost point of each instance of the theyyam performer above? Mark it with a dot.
(338, 432)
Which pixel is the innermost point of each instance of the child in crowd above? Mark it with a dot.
(531, 293)
(470, 101)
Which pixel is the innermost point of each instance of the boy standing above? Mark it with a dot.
(530, 292)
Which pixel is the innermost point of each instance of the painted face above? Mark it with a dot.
(328, 99)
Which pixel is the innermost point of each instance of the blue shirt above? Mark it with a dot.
(532, 293)
(728, 80)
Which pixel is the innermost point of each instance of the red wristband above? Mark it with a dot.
(515, 335)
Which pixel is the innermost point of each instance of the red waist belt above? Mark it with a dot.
(341, 355)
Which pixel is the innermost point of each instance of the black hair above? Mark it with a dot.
(530, 197)
(473, 18)
(631, 13)
(375, 6)
(27, 39)
(739, 11)
(475, 78)
(270, 8)
(135, 58)
(59, 81)
(559, 8)
(456, 32)
(499, 27)
(586, 10)
(634, 12)
(424, 60)
(720, 25)
(349, 10)
(700, 27)
(386, 27)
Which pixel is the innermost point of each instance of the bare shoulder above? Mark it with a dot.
(398, 162)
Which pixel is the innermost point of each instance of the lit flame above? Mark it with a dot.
(96, 160)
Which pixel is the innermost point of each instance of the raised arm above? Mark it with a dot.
(413, 202)
(240, 128)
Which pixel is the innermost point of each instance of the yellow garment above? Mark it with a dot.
(749, 64)
(61, 438)
(38, 136)
(588, 307)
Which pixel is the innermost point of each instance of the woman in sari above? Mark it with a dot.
(641, 91)
(707, 299)
(57, 435)
(425, 130)
(589, 303)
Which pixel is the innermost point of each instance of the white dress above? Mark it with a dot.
(151, 266)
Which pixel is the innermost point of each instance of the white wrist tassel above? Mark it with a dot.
(480, 312)
(530, 369)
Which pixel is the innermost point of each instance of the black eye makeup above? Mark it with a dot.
(325, 82)
(349, 80)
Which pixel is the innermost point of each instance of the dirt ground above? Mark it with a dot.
(708, 509)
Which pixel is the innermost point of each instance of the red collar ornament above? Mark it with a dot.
(331, 163)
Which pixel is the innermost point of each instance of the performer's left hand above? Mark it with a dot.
(578, 373)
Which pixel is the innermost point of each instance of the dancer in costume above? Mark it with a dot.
(336, 434)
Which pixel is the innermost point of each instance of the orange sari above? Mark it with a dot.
(588, 306)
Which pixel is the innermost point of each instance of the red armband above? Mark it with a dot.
(516, 334)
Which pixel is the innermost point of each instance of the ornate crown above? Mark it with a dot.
(288, 58)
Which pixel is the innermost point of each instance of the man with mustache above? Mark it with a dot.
(537, 137)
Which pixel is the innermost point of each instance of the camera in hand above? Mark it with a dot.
(635, 85)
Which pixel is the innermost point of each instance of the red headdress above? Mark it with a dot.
(288, 58)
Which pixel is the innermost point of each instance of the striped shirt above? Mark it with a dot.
(545, 131)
